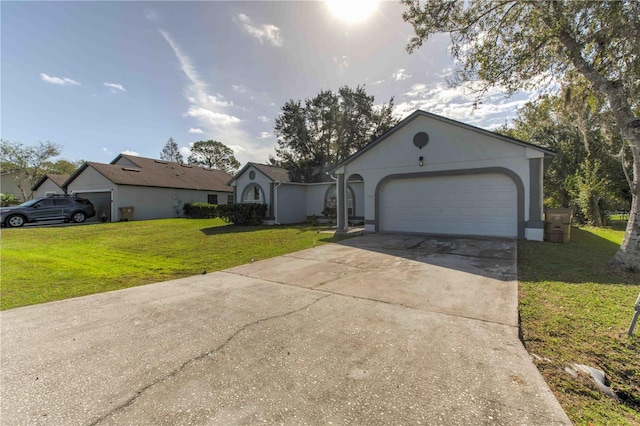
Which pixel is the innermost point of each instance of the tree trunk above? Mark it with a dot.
(628, 255)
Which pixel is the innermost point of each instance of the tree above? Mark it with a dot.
(215, 155)
(171, 152)
(61, 167)
(26, 163)
(519, 45)
(586, 174)
(327, 129)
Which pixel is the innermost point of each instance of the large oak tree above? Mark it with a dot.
(521, 44)
(214, 155)
(327, 129)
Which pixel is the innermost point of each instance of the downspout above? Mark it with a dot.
(276, 185)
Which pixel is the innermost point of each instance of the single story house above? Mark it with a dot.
(8, 185)
(428, 174)
(132, 187)
(49, 184)
(288, 201)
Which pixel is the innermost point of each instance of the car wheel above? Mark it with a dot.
(78, 217)
(15, 221)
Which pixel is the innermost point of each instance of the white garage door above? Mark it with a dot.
(460, 205)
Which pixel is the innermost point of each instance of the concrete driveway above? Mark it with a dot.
(380, 329)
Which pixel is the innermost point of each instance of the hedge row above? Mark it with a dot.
(238, 214)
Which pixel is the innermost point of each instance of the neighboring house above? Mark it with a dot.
(428, 174)
(8, 185)
(144, 188)
(49, 184)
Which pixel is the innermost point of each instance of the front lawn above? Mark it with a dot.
(42, 264)
(573, 307)
(576, 309)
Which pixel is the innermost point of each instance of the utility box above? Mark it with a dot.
(126, 214)
(557, 225)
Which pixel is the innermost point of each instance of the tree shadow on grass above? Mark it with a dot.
(325, 233)
(584, 259)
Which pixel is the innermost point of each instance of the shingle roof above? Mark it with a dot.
(157, 173)
(58, 179)
(55, 178)
(276, 173)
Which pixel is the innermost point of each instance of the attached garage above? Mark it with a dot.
(433, 175)
(101, 203)
(484, 204)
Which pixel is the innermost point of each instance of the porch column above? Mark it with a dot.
(534, 227)
(341, 207)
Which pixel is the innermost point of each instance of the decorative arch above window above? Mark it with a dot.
(331, 201)
(253, 194)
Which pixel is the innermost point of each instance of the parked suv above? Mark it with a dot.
(63, 207)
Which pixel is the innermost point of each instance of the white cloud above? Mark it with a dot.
(459, 103)
(240, 88)
(400, 75)
(129, 152)
(211, 111)
(216, 99)
(151, 15)
(445, 72)
(264, 135)
(215, 118)
(266, 32)
(115, 87)
(237, 148)
(195, 130)
(185, 63)
(342, 61)
(186, 151)
(64, 81)
(263, 118)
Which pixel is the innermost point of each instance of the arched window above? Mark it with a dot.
(253, 195)
(331, 201)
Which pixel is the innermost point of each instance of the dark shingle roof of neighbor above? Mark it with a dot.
(278, 174)
(55, 178)
(162, 174)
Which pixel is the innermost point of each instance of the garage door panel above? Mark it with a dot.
(464, 205)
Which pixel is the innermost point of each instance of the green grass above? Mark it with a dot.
(52, 263)
(574, 308)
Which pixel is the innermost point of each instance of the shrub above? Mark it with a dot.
(243, 214)
(7, 200)
(200, 210)
(330, 212)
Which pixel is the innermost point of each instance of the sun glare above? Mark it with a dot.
(352, 11)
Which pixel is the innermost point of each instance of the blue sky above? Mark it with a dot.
(101, 78)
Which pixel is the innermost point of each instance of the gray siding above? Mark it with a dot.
(291, 204)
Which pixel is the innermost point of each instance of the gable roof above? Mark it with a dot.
(421, 113)
(275, 173)
(158, 173)
(55, 178)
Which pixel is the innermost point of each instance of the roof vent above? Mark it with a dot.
(186, 165)
(130, 169)
(421, 139)
(161, 162)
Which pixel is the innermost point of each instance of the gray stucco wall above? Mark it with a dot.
(291, 204)
(159, 203)
(48, 187)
